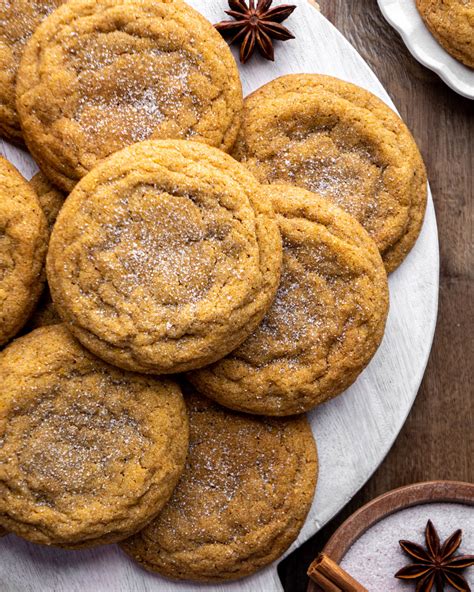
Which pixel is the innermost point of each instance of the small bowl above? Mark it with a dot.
(389, 503)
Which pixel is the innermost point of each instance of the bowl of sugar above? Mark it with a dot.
(366, 547)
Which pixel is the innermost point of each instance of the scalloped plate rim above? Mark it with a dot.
(440, 61)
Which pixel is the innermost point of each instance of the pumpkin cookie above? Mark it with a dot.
(451, 22)
(89, 453)
(50, 198)
(325, 324)
(18, 20)
(163, 258)
(99, 75)
(245, 492)
(44, 314)
(51, 201)
(23, 243)
(339, 140)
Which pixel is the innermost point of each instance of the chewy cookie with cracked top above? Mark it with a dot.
(18, 20)
(243, 497)
(451, 22)
(163, 258)
(23, 244)
(325, 324)
(89, 453)
(99, 75)
(339, 140)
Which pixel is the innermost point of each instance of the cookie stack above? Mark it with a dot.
(196, 306)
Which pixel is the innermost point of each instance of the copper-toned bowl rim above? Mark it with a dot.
(389, 503)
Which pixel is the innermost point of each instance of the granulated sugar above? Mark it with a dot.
(157, 90)
(75, 448)
(349, 176)
(376, 556)
(17, 26)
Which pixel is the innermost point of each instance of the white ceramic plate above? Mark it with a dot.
(354, 432)
(405, 18)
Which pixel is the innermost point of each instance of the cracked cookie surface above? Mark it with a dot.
(99, 75)
(23, 243)
(18, 20)
(325, 324)
(89, 453)
(342, 142)
(163, 258)
(451, 22)
(243, 497)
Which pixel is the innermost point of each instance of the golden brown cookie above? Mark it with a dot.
(163, 258)
(51, 201)
(18, 20)
(451, 22)
(339, 140)
(244, 495)
(325, 324)
(44, 313)
(23, 243)
(99, 75)
(89, 453)
(50, 198)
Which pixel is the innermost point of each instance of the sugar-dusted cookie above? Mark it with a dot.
(163, 258)
(241, 501)
(339, 140)
(99, 75)
(18, 20)
(325, 324)
(451, 22)
(23, 243)
(89, 453)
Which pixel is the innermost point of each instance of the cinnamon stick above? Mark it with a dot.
(330, 577)
(323, 583)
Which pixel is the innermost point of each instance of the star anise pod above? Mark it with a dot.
(256, 27)
(436, 565)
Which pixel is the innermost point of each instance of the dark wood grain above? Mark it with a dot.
(437, 441)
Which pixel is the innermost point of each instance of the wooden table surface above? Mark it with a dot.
(437, 441)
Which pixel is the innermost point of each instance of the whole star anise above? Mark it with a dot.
(256, 27)
(436, 564)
